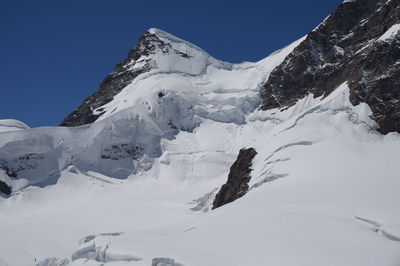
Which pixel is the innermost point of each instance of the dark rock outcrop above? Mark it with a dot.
(346, 47)
(238, 179)
(165, 262)
(122, 151)
(4, 188)
(122, 75)
(24, 162)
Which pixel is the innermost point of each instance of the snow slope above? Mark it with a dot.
(323, 188)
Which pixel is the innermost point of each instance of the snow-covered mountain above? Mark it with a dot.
(176, 94)
(143, 171)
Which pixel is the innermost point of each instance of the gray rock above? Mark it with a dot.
(345, 48)
(5, 189)
(165, 262)
(238, 179)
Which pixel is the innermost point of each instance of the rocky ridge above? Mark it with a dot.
(358, 43)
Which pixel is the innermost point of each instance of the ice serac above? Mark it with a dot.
(238, 179)
(155, 52)
(359, 43)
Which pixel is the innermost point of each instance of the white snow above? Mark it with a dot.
(390, 33)
(324, 187)
(12, 125)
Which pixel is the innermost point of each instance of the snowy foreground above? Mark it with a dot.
(324, 188)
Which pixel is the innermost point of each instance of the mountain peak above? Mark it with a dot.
(170, 38)
(157, 52)
(163, 34)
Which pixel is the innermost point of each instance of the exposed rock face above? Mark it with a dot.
(24, 162)
(122, 151)
(123, 74)
(357, 44)
(238, 179)
(165, 262)
(4, 188)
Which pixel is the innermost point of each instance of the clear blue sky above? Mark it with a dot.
(55, 53)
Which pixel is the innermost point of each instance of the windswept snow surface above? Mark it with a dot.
(324, 187)
(12, 125)
(390, 33)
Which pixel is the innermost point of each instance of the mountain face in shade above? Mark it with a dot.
(358, 43)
